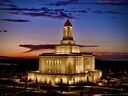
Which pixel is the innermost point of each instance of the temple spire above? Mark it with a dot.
(67, 23)
(67, 33)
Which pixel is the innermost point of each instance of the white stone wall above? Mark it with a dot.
(67, 49)
(91, 76)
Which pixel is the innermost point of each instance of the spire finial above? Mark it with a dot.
(67, 23)
(68, 18)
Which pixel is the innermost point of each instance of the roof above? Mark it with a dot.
(67, 23)
(72, 54)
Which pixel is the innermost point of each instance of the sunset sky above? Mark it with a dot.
(32, 24)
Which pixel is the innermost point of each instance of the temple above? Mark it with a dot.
(67, 64)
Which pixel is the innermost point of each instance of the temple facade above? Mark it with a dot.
(67, 64)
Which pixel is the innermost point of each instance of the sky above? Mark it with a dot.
(31, 27)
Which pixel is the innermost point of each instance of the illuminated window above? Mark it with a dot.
(49, 61)
(52, 61)
(57, 61)
(66, 33)
(60, 61)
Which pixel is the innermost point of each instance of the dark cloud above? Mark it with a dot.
(112, 1)
(46, 46)
(20, 9)
(66, 2)
(112, 55)
(109, 4)
(7, 3)
(98, 2)
(10, 1)
(44, 11)
(14, 12)
(38, 47)
(3, 30)
(83, 11)
(14, 20)
(60, 3)
(107, 12)
(99, 12)
(59, 15)
(54, 13)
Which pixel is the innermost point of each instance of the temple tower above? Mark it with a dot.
(67, 45)
(67, 34)
(67, 64)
